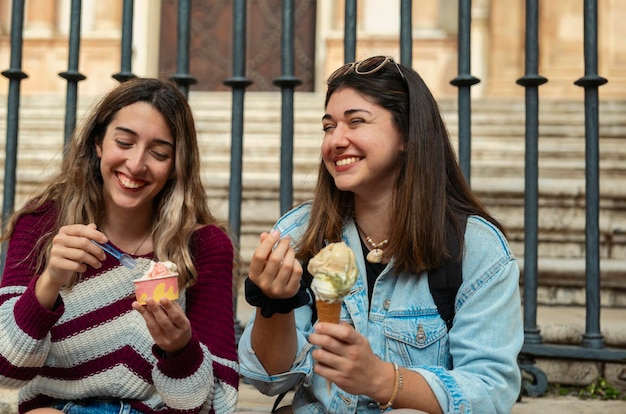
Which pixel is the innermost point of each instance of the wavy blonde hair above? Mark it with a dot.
(77, 189)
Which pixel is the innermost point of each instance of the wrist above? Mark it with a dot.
(47, 290)
(397, 386)
(269, 306)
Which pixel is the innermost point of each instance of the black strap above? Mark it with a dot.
(269, 306)
(445, 281)
(277, 401)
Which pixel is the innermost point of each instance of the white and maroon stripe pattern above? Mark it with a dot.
(94, 344)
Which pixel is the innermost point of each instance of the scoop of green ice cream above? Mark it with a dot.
(334, 271)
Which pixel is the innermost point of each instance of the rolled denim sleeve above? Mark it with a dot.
(292, 224)
(267, 384)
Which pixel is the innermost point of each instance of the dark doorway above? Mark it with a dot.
(211, 43)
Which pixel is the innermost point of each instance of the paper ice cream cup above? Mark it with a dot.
(156, 288)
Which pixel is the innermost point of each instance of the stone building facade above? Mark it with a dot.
(497, 43)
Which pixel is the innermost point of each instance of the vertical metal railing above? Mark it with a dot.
(238, 82)
(72, 75)
(592, 345)
(464, 82)
(287, 83)
(126, 71)
(406, 32)
(592, 338)
(531, 82)
(182, 77)
(15, 76)
(349, 31)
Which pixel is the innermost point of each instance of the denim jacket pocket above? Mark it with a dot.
(416, 339)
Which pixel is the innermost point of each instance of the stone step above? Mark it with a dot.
(498, 149)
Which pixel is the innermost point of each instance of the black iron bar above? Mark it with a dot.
(592, 338)
(15, 76)
(406, 32)
(72, 75)
(531, 82)
(287, 83)
(182, 76)
(349, 36)
(238, 82)
(464, 82)
(125, 72)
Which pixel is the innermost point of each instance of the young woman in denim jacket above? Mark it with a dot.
(388, 181)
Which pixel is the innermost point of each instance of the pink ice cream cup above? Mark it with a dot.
(157, 283)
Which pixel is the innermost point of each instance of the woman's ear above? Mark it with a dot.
(99, 150)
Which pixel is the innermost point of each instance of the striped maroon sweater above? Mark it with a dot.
(92, 344)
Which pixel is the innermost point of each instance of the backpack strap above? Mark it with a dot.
(444, 282)
(277, 401)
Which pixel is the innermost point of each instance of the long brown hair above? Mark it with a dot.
(430, 191)
(77, 189)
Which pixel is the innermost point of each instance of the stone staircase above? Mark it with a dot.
(498, 148)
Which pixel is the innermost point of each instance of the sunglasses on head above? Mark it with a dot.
(364, 67)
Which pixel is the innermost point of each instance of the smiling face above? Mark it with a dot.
(361, 144)
(136, 158)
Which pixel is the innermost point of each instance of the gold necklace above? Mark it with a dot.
(141, 244)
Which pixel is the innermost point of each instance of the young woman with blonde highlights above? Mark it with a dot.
(130, 177)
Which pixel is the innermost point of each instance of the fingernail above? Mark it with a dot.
(274, 233)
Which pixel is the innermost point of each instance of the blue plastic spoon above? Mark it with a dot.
(124, 259)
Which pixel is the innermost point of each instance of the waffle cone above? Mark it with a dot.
(328, 311)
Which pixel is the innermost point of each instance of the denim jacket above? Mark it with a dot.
(471, 369)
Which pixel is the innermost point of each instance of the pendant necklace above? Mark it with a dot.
(375, 255)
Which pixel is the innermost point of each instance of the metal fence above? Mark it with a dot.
(592, 346)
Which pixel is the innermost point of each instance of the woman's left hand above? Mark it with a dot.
(345, 357)
(167, 324)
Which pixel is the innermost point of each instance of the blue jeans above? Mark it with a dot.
(96, 407)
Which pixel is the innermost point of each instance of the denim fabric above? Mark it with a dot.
(404, 326)
(96, 407)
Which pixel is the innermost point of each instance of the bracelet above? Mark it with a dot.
(397, 387)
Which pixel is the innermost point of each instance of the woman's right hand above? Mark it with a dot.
(274, 267)
(276, 271)
(72, 251)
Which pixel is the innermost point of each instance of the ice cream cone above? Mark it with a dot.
(328, 311)
(334, 272)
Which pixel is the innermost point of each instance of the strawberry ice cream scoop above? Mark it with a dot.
(157, 269)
